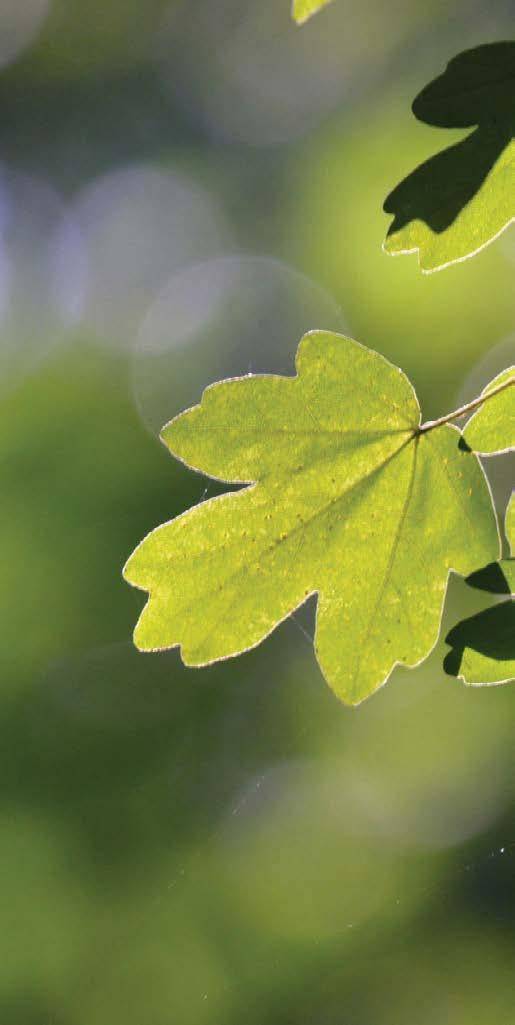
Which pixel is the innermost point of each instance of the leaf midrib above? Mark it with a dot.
(299, 527)
(391, 561)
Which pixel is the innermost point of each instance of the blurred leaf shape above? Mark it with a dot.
(352, 502)
(460, 200)
(491, 430)
(483, 646)
(303, 9)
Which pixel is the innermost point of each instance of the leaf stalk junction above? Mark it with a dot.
(469, 407)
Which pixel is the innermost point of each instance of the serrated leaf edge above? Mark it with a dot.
(450, 263)
(251, 647)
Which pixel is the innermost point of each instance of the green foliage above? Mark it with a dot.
(303, 9)
(458, 201)
(492, 429)
(483, 646)
(450, 208)
(348, 497)
(497, 577)
(353, 501)
(436, 327)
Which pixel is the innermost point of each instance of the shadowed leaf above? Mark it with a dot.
(458, 201)
(352, 503)
(483, 646)
(497, 577)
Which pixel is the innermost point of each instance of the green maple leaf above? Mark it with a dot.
(460, 200)
(303, 9)
(345, 498)
(483, 646)
(491, 430)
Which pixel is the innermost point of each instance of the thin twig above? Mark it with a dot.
(468, 408)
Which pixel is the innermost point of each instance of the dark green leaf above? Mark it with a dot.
(458, 201)
(497, 577)
(483, 646)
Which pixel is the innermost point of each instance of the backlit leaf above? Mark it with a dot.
(483, 646)
(491, 429)
(351, 502)
(458, 201)
(303, 9)
(499, 577)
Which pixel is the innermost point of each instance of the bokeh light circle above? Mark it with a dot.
(32, 274)
(139, 225)
(224, 317)
(248, 74)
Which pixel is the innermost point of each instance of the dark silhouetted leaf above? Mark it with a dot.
(458, 201)
(497, 577)
(483, 646)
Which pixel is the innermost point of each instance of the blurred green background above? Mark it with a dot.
(184, 189)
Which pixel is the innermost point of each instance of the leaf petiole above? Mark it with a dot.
(463, 410)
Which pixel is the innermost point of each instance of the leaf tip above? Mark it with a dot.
(303, 10)
(143, 637)
(128, 573)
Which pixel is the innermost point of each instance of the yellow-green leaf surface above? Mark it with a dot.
(483, 646)
(303, 9)
(350, 502)
(491, 429)
(458, 201)
(510, 523)
(499, 577)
